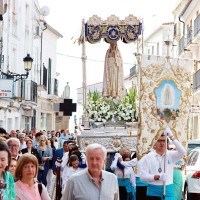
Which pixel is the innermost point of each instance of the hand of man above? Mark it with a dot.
(163, 177)
(168, 132)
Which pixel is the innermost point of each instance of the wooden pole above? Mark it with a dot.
(58, 181)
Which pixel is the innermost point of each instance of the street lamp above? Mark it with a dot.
(27, 66)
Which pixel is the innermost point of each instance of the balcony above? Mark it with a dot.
(25, 90)
(43, 79)
(196, 81)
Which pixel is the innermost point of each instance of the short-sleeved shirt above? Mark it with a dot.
(81, 186)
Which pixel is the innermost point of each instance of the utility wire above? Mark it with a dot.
(76, 57)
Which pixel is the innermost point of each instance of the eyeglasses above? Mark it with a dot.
(160, 141)
(14, 145)
(29, 143)
(43, 140)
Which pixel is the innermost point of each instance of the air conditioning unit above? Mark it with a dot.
(37, 32)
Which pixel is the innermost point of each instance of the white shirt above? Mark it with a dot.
(67, 172)
(128, 172)
(23, 146)
(153, 161)
(65, 159)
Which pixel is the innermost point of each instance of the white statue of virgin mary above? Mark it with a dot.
(113, 80)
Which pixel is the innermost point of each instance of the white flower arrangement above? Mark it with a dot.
(98, 108)
(102, 109)
(124, 112)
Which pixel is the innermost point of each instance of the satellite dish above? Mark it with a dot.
(44, 11)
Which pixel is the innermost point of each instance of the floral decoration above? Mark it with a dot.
(103, 109)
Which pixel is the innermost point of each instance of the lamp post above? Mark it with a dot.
(27, 66)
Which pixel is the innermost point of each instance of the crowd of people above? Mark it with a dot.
(29, 161)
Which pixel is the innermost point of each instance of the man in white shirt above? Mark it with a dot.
(154, 172)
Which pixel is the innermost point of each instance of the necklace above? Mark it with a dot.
(160, 163)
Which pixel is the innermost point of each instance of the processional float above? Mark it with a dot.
(111, 30)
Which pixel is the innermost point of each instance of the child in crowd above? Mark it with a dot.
(69, 169)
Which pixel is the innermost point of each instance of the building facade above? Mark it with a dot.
(187, 39)
(25, 31)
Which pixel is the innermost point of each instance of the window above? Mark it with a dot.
(152, 50)
(158, 49)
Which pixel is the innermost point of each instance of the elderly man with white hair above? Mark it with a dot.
(21, 137)
(13, 145)
(92, 183)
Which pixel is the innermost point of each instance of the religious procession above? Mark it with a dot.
(130, 143)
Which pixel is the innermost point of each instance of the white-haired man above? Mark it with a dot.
(93, 183)
(13, 145)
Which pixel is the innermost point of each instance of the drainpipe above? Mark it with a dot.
(179, 18)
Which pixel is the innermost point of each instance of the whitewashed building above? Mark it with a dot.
(187, 38)
(159, 42)
(25, 31)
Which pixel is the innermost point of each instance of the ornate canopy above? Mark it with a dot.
(112, 29)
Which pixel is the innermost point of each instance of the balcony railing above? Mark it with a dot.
(197, 25)
(181, 44)
(26, 90)
(196, 81)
